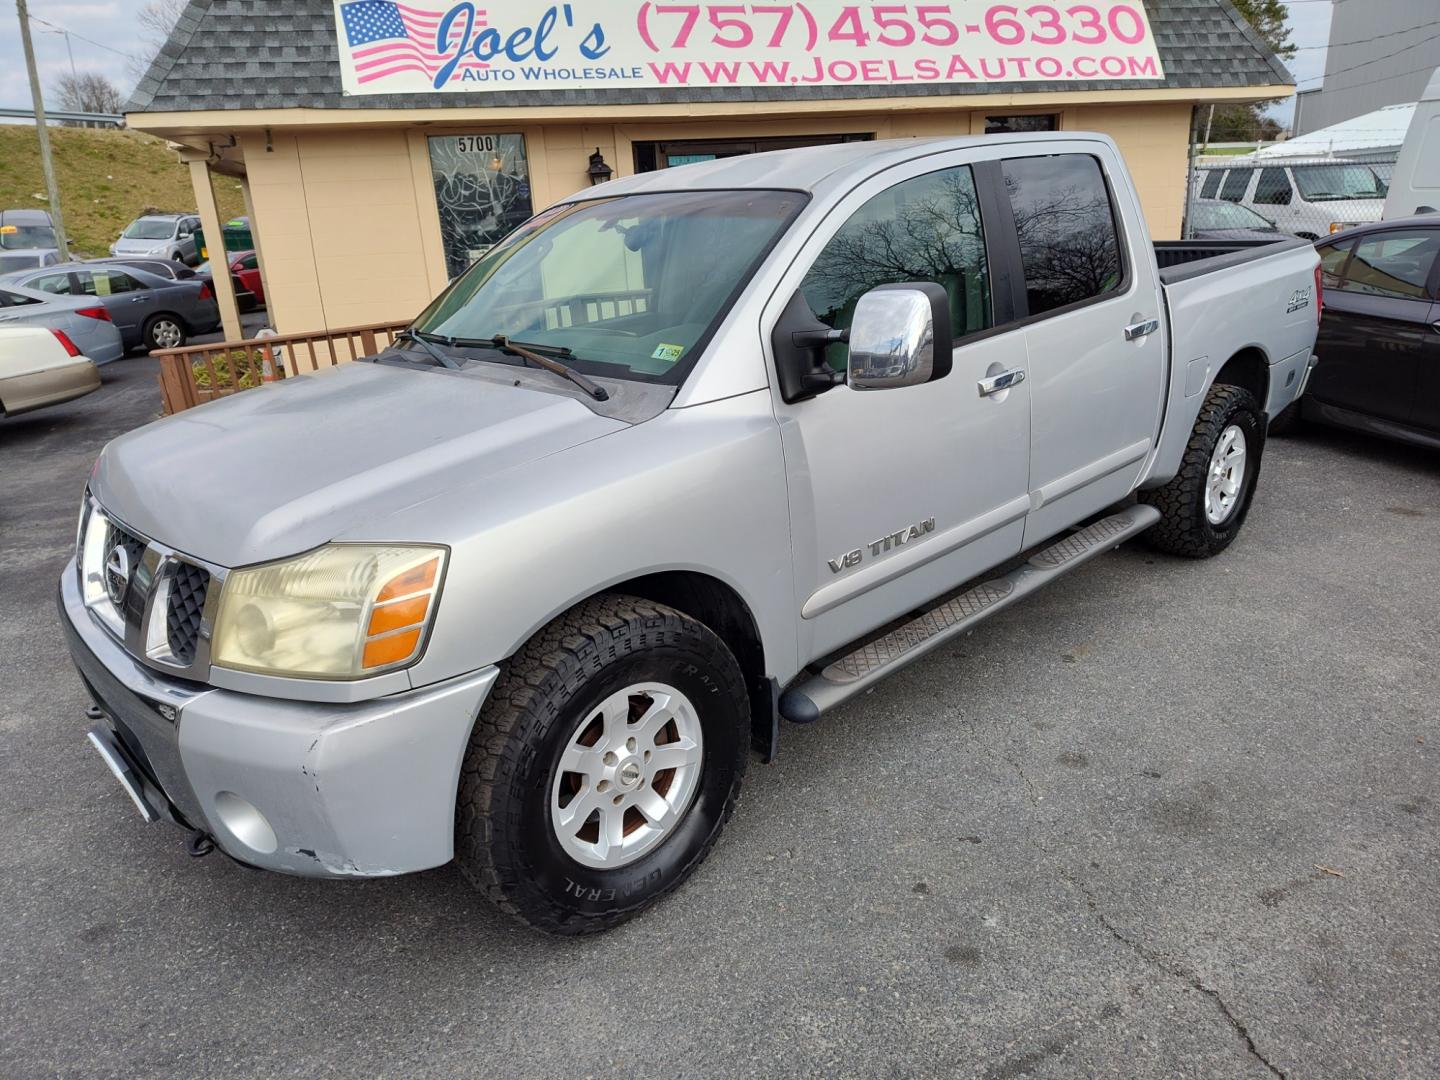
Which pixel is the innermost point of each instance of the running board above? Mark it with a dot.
(857, 671)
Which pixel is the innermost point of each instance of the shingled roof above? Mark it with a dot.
(282, 54)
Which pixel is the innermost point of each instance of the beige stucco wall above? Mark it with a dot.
(351, 234)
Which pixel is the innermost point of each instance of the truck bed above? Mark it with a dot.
(1181, 260)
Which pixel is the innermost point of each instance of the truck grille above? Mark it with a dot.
(149, 597)
(188, 588)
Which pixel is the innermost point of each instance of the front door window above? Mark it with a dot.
(482, 190)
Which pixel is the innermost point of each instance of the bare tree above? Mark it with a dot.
(155, 21)
(88, 92)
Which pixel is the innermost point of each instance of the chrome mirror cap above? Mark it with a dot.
(900, 336)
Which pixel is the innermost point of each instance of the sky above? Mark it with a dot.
(109, 26)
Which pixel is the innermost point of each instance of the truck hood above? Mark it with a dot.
(279, 470)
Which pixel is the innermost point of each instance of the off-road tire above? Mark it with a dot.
(504, 841)
(1183, 528)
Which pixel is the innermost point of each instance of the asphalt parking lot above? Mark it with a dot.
(1167, 819)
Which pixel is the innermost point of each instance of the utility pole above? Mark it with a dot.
(46, 162)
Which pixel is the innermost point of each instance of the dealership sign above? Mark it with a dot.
(420, 48)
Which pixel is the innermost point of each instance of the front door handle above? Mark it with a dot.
(1145, 327)
(1003, 381)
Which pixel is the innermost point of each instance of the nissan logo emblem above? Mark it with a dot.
(117, 574)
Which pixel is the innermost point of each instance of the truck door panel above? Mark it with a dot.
(1094, 334)
(898, 495)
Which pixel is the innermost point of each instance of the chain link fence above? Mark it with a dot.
(1254, 195)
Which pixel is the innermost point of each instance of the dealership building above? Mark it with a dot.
(368, 190)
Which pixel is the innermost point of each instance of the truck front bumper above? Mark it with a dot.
(320, 790)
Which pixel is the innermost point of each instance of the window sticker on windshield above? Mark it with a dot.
(668, 353)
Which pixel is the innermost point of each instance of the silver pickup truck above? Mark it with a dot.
(693, 452)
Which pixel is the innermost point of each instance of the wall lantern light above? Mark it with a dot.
(598, 172)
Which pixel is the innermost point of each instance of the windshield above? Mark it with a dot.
(632, 286)
(1225, 215)
(149, 229)
(18, 237)
(1327, 183)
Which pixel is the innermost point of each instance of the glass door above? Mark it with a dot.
(482, 190)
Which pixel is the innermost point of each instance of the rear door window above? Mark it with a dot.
(1212, 183)
(1273, 188)
(1069, 242)
(1236, 181)
(52, 283)
(1394, 264)
(1332, 263)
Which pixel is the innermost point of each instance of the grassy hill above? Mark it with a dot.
(107, 178)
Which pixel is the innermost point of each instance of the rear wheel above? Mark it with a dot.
(164, 332)
(1205, 504)
(603, 767)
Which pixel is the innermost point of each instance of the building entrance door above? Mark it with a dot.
(482, 189)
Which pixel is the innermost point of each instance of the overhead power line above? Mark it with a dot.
(81, 37)
(1376, 60)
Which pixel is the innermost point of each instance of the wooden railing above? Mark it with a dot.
(200, 373)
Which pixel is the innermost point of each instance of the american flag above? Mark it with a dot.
(387, 38)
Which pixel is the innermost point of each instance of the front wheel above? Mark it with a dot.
(1205, 503)
(603, 767)
(164, 332)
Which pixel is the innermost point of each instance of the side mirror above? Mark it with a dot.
(900, 336)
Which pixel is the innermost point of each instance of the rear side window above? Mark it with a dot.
(1236, 181)
(52, 283)
(923, 229)
(1212, 183)
(1393, 264)
(1069, 244)
(1273, 188)
(10, 299)
(1332, 262)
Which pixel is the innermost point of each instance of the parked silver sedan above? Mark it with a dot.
(85, 322)
(150, 310)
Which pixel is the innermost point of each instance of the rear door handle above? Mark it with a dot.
(1141, 329)
(138, 299)
(1003, 381)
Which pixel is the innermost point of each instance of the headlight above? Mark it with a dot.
(343, 611)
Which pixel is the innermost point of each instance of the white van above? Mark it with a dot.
(1310, 199)
(1417, 172)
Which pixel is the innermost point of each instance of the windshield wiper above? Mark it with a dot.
(525, 351)
(440, 358)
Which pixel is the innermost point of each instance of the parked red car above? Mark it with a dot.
(246, 266)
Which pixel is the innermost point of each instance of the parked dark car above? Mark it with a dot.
(1379, 343)
(149, 310)
(1216, 219)
(244, 299)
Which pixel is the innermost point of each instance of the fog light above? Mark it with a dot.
(245, 823)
